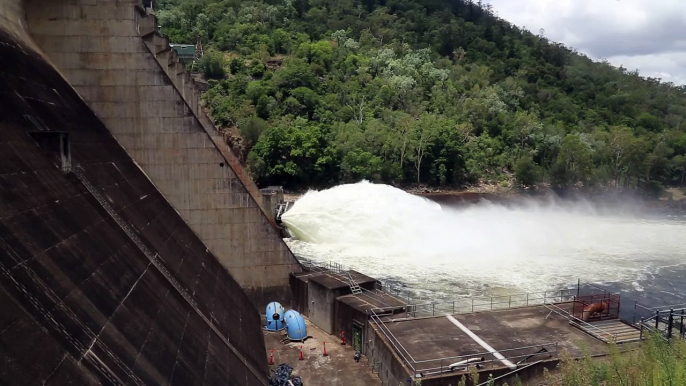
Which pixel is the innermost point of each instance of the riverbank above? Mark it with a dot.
(673, 200)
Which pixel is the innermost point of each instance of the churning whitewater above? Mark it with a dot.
(483, 248)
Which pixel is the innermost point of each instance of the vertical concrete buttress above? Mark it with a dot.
(113, 56)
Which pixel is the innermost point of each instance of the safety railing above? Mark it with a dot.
(668, 323)
(462, 363)
(597, 331)
(339, 271)
(476, 304)
(486, 360)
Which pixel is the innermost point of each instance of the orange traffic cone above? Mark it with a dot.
(325, 354)
(271, 358)
(301, 353)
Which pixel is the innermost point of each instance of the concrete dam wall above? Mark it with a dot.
(113, 55)
(128, 236)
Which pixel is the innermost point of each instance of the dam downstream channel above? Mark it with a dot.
(436, 252)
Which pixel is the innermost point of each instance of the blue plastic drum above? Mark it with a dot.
(275, 315)
(295, 325)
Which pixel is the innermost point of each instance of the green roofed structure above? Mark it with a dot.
(186, 52)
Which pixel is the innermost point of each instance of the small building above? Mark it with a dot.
(186, 52)
(327, 299)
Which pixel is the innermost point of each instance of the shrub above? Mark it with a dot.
(212, 65)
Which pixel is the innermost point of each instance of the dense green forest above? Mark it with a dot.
(435, 92)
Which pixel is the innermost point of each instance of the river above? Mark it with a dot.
(441, 252)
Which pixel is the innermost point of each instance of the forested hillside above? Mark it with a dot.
(436, 92)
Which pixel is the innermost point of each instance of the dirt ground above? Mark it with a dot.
(337, 369)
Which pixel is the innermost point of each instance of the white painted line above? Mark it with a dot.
(483, 344)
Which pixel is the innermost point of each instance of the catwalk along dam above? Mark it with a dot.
(134, 249)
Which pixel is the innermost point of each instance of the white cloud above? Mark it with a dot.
(639, 34)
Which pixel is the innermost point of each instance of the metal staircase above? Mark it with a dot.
(354, 287)
(607, 331)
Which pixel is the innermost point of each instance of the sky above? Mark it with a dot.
(647, 35)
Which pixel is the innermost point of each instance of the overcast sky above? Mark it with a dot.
(648, 35)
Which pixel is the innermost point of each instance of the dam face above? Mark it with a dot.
(132, 246)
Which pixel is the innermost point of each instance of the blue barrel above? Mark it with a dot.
(275, 317)
(295, 325)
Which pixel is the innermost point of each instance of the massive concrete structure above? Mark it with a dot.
(114, 57)
(126, 230)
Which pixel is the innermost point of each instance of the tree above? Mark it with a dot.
(296, 74)
(236, 65)
(573, 163)
(293, 152)
(526, 171)
(439, 92)
(252, 129)
(212, 65)
(307, 98)
(360, 164)
(423, 135)
(621, 142)
(255, 90)
(680, 166)
(257, 69)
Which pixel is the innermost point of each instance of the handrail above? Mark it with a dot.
(338, 271)
(412, 363)
(472, 304)
(508, 374)
(672, 319)
(574, 319)
(489, 353)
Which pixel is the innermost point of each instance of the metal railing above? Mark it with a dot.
(596, 331)
(667, 323)
(340, 272)
(423, 368)
(490, 303)
(492, 380)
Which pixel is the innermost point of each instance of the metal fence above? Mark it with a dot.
(462, 363)
(668, 323)
(490, 303)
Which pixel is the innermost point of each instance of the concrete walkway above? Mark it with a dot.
(337, 369)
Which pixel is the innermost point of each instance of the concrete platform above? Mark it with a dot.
(514, 333)
(337, 369)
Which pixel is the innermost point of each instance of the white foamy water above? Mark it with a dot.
(484, 248)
